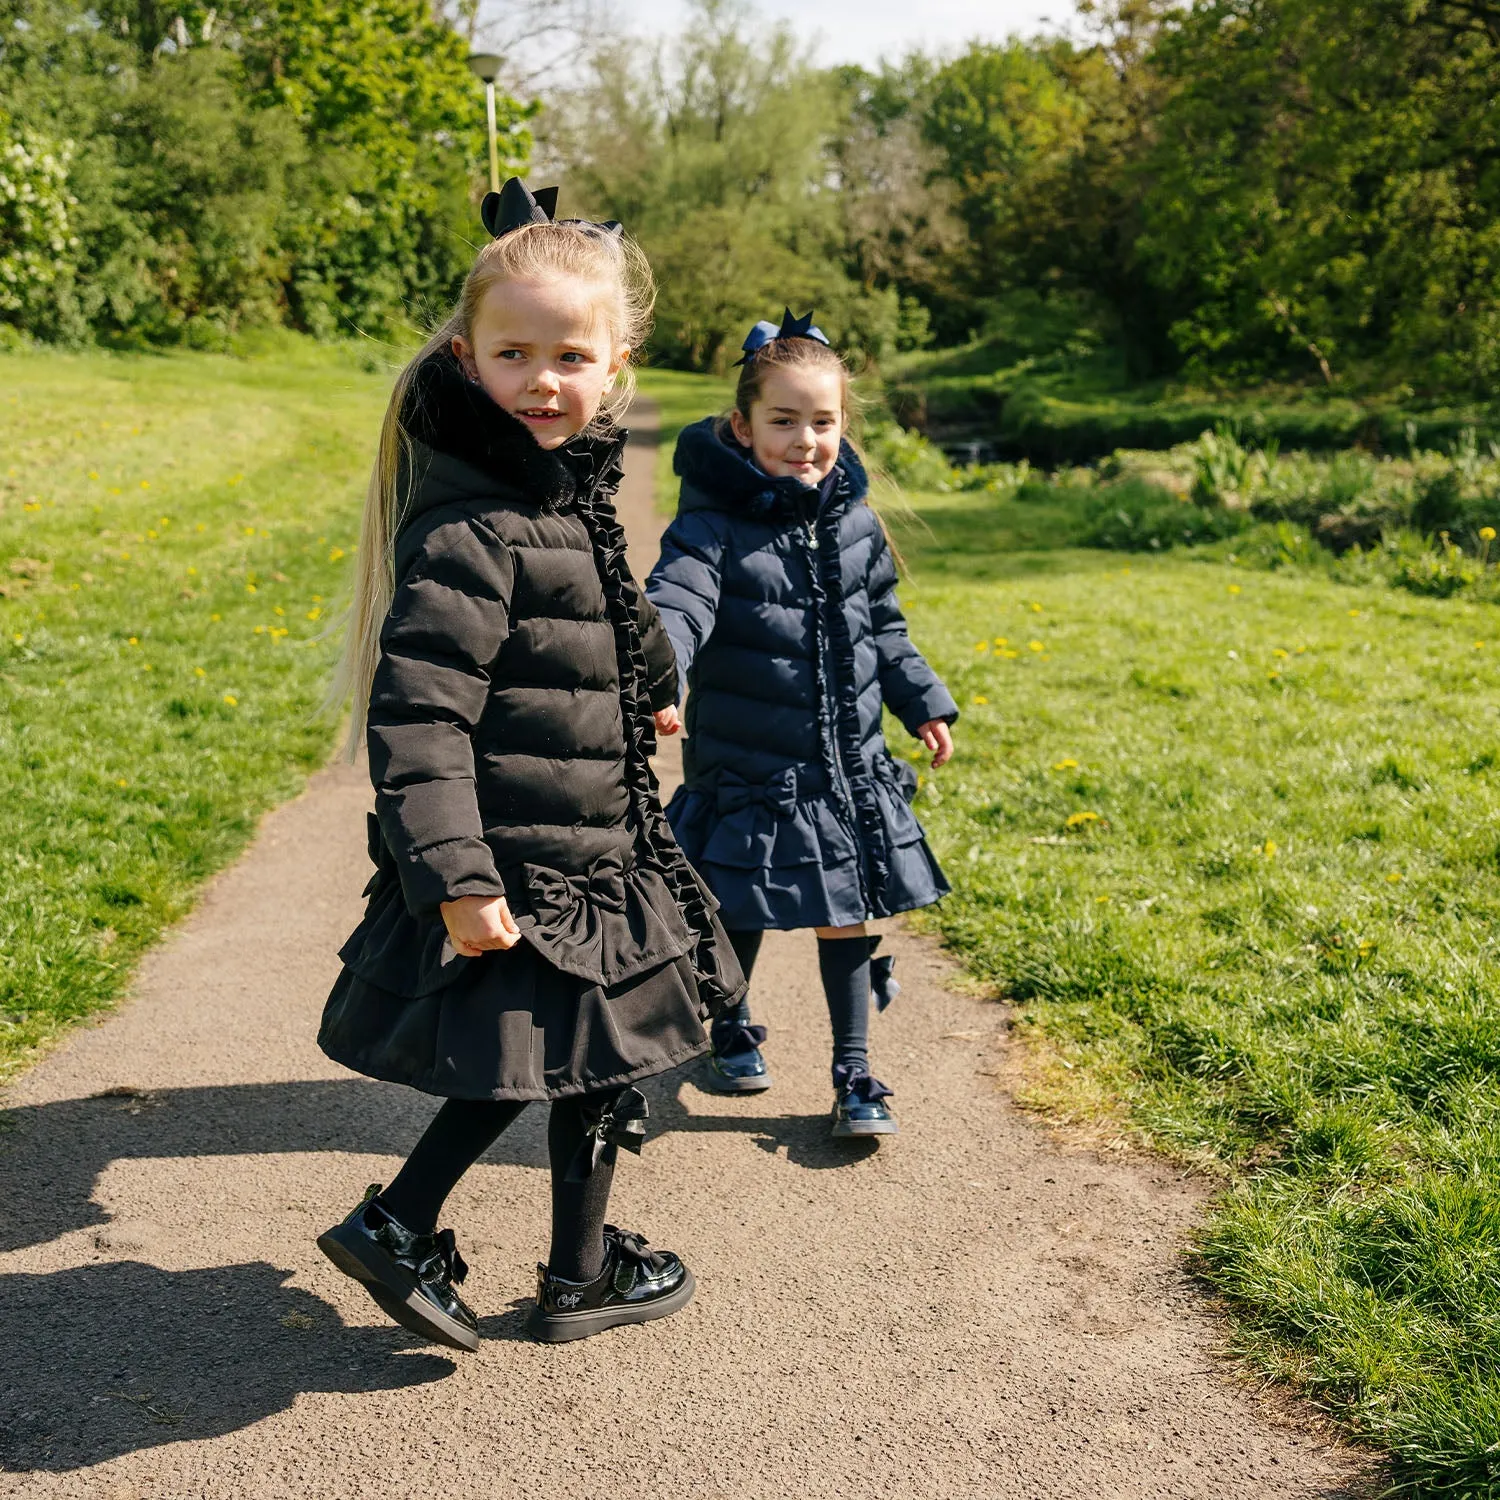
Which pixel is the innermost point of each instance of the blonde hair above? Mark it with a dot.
(574, 251)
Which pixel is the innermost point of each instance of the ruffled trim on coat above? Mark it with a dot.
(719, 987)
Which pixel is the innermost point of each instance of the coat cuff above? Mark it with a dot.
(936, 703)
(662, 692)
(446, 872)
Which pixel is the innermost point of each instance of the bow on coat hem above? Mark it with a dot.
(620, 1122)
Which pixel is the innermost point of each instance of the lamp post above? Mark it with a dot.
(485, 66)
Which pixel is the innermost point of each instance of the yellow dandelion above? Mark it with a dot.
(231, 700)
(216, 618)
(116, 492)
(200, 527)
(150, 535)
(1393, 877)
(192, 572)
(1273, 676)
(199, 672)
(1065, 765)
(134, 640)
(1269, 848)
(1301, 649)
(1353, 614)
(979, 698)
(315, 614)
(1080, 819)
(1279, 654)
(981, 645)
(145, 484)
(249, 531)
(1001, 642)
(1479, 645)
(1101, 899)
(279, 611)
(249, 588)
(1035, 646)
(335, 554)
(147, 667)
(317, 598)
(122, 782)
(93, 473)
(235, 478)
(19, 638)
(260, 630)
(1036, 609)
(1234, 588)
(1486, 533)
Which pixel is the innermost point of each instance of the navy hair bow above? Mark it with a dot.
(766, 332)
(516, 205)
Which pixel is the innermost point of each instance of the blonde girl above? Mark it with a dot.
(532, 931)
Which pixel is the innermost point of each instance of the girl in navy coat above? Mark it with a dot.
(778, 589)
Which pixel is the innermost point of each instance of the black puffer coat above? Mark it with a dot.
(781, 604)
(509, 730)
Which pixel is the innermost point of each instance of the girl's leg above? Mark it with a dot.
(460, 1133)
(844, 963)
(596, 1280)
(579, 1207)
(736, 1066)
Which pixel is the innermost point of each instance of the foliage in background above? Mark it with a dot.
(312, 163)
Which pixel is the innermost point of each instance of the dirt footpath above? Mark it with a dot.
(964, 1311)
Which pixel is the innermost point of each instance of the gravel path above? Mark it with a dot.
(968, 1310)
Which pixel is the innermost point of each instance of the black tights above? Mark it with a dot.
(844, 966)
(464, 1129)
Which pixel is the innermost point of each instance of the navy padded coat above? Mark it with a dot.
(780, 602)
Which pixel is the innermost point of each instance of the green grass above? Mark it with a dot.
(1232, 841)
(174, 533)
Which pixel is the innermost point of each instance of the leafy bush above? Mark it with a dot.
(1133, 515)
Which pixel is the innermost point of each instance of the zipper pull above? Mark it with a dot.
(812, 538)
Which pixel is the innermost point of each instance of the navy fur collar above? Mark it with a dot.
(718, 474)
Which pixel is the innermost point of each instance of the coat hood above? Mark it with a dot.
(453, 417)
(718, 474)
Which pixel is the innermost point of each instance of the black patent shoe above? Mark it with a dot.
(410, 1276)
(736, 1066)
(636, 1285)
(859, 1106)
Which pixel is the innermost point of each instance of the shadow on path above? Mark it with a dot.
(51, 1155)
(108, 1359)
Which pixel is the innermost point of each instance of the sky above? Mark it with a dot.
(863, 31)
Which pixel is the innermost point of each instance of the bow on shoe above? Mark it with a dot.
(445, 1254)
(621, 1122)
(883, 982)
(635, 1247)
(856, 1081)
(734, 1037)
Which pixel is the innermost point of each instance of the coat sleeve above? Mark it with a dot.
(661, 659)
(447, 622)
(684, 585)
(910, 688)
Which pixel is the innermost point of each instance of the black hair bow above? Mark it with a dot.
(766, 332)
(515, 205)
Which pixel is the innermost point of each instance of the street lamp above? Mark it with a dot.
(485, 66)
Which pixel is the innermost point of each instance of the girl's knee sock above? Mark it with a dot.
(460, 1133)
(578, 1208)
(845, 966)
(746, 947)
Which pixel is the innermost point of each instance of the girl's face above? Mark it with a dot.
(543, 351)
(795, 423)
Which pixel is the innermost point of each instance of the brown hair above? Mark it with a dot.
(613, 263)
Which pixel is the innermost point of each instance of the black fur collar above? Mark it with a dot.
(446, 411)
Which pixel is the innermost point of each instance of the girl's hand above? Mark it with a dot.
(936, 735)
(480, 924)
(668, 720)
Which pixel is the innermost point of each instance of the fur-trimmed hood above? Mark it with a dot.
(454, 418)
(718, 474)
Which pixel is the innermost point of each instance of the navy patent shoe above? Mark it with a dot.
(859, 1106)
(410, 1276)
(636, 1285)
(736, 1066)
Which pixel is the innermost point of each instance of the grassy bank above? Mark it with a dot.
(1230, 839)
(173, 535)
(682, 398)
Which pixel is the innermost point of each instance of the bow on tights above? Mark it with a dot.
(620, 1122)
